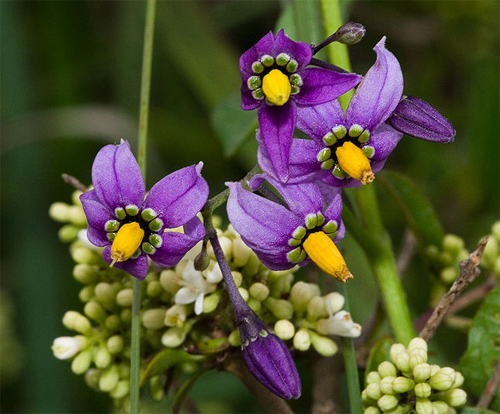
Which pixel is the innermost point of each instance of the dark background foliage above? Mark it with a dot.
(70, 80)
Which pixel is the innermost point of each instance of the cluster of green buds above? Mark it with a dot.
(491, 255)
(444, 259)
(410, 384)
(183, 310)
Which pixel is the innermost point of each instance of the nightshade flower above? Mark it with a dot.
(132, 228)
(285, 236)
(275, 79)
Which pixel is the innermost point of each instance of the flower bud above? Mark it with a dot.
(387, 369)
(124, 298)
(215, 275)
(92, 378)
(395, 350)
(154, 289)
(227, 247)
(105, 293)
(153, 318)
(417, 118)
(302, 293)
(85, 273)
(373, 377)
(280, 308)
(112, 322)
(59, 212)
(417, 356)
(76, 216)
(76, 322)
(423, 390)
(168, 280)
(66, 347)
(234, 338)
(459, 380)
(94, 311)
(68, 233)
(255, 305)
(455, 397)
(176, 315)
(268, 358)
(424, 406)
(173, 337)
(156, 388)
(102, 357)
(115, 344)
(241, 252)
(350, 33)
(441, 381)
(302, 340)
(84, 255)
(448, 274)
(316, 309)
(402, 384)
(434, 368)
(323, 345)
(238, 278)
(386, 385)
(417, 343)
(86, 293)
(121, 390)
(402, 361)
(109, 379)
(81, 362)
(211, 302)
(440, 407)
(336, 301)
(371, 410)
(387, 402)
(373, 391)
(259, 291)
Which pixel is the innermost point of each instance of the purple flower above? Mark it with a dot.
(295, 232)
(275, 80)
(131, 227)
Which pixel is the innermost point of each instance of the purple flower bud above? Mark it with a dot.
(268, 359)
(417, 118)
(350, 33)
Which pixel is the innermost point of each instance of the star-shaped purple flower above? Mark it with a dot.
(295, 232)
(116, 210)
(275, 80)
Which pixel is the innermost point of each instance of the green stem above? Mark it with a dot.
(337, 52)
(147, 59)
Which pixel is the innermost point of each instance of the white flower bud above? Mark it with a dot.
(105, 293)
(455, 397)
(448, 274)
(244, 293)
(302, 293)
(302, 340)
(373, 391)
(168, 281)
(336, 301)
(115, 344)
(387, 402)
(77, 216)
(91, 378)
(154, 289)
(84, 255)
(66, 347)
(94, 311)
(211, 302)
(452, 243)
(109, 379)
(440, 407)
(234, 338)
(402, 361)
(255, 305)
(241, 252)
(316, 309)
(86, 293)
(424, 406)
(59, 212)
(68, 233)
(395, 350)
(280, 308)
(121, 390)
(434, 368)
(76, 322)
(402, 384)
(284, 329)
(153, 318)
(226, 245)
(81, 362)
(156, 389)
(387, 369)
(373, 377)
(238, 278)
(423, 390)
(441, 381)
(323, 345)
(215, 275)
(173, 337)
(386, 385)
(417, 356)
(102, 357)
(112, 322)
(176, 315)
(259, 291)
(124, 298)
(371, 410)
(85, 273)
(417, 343)
(459, 380)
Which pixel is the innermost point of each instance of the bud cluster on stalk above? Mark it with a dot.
(444, 259)
(491, 256)
(183, 309)
(408, 383)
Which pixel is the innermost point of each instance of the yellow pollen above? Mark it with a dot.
(276, 87)
(354, 162)
(323, 251)
(127, 241)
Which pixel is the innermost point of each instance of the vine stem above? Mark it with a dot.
(147, 60)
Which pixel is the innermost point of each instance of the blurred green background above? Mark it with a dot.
(70, 82)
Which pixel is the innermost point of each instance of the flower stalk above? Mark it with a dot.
(141, 159)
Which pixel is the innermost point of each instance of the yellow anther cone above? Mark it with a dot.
(127, 241)
(323, 251)
(354, 162)
(276, 87)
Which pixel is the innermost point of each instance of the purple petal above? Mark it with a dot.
(264, 225)
(134, 267)
(384, 140)
(379, 92)
(117, 177)
(268, 359)
(176, 245)
(97, 215)
(179, 196)
(302, 199)
(262, 47)
(276, 125)
(417, 118)
(317, 120)
(300, 51)
(323, 85)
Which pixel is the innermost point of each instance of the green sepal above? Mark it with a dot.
(166, 359)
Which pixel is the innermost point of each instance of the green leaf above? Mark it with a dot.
(166, 359)
(417, 209)
(181, 395)
(379, 353)
(483, 351)
(232, 124)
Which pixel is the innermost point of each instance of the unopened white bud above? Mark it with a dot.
(66, 347)
(154, 289)
(336, 301)
(102, 357)
(402, 361)
(302, 293)
(284, 329)
(422, 372)
(81, 362)
(386, 385)
(241, 252)
(441, 381)
(373, 377)
(210, 302)
(417, 343)
(373, 391)
(85, 273)
(84, 255)
(387, 369)
(459, 380)
(424, 406)
(68, 233)
(173, 337)
(176, 315)
(215, 275)
(387, 402)
(115, 344)
(105, 293)
(280, 308)
(417, 356)
(302, 340)
(238, 278)
(244, 293)
(112, 322)
(402, 384)
(109, 379)
(91, 378)
(371, 410)
(423, 390)
(77, 216)
(227, 247)
(153, 318)
(168, 281)
(323, 345)
(440, 407)
(121, 390)
(255, 305)
(316, 309)
(59, 212)
(259, 291)
(124, 298)
(94, 311)
(76, 322)
(234, 338)
(455, 397)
